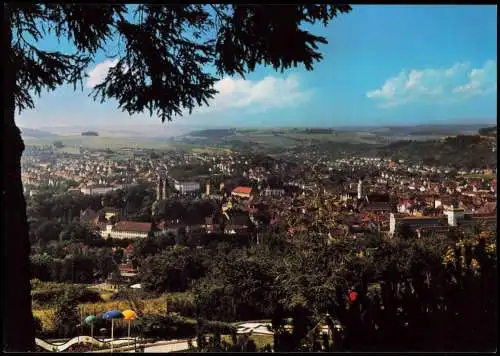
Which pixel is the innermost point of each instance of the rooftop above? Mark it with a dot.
(242, 190)
(132, 226)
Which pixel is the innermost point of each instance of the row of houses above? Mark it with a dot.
(452, 218)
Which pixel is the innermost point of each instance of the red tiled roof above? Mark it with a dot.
(413, 218)
(127, 268)
(483, 216)
(133, 226)
(242, 190)
(488, 208)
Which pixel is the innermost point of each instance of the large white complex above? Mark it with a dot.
(186, 187)
(126, 230)
(98, 189)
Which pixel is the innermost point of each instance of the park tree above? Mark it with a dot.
(48, 231)
(164, 67)
(75, 231)
(66, 315)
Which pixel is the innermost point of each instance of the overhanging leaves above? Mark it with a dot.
(169, 50)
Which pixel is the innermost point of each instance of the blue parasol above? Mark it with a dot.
(112, 314)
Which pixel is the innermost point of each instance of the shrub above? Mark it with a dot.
(48, 296)
(66, 316)
(48, 293)
(158, 326)
(182, 303)
(219, 327)
(38, 325)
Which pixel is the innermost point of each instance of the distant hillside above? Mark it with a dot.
(211, 134)
(26, 132)
(265, 139)
(488, 131)
(429, 130)
(90, 133)
(462, 151)
(269, 139)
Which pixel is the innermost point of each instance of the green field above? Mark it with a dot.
(291, 138)
(99, 142)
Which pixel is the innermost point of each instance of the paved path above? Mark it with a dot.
(255, 328)
(162, 346)
(60, 346)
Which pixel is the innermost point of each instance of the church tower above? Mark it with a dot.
(360, 189)
(159, 191)
(165, 186)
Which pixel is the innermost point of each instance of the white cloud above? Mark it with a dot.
(481, 80)
(98, 74)
(438, 85)
(268, 93)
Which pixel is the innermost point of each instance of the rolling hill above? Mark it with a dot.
(290, 138)
(38, 134)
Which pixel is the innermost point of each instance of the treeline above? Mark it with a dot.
(213, 133)
(488, 131)
(318, 131)
(133, 203)
(67, 262)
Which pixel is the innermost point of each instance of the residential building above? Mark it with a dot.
(186, 187)
(97, 189)
(126, 230)
(414, 222)
(242, 192)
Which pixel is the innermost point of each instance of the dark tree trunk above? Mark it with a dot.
(18, 325)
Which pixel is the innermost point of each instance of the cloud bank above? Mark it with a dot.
(268, 93)
(437, 85)
(98, 74)
(235, 94)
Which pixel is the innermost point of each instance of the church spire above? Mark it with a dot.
(159, 191)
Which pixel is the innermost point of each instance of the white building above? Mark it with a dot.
(186, 187)
(276, 192)
(454, 215)
(97, 189)
(126, 230)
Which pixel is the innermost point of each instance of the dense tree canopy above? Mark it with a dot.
(433, 293)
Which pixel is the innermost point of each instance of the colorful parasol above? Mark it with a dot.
(91, 320)
(130, 316)
(112, 314)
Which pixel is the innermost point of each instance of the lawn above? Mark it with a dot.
(100, 142)
(157, 305)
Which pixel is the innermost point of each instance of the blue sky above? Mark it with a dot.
(383, 65)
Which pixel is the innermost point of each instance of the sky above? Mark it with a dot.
(383, 65)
